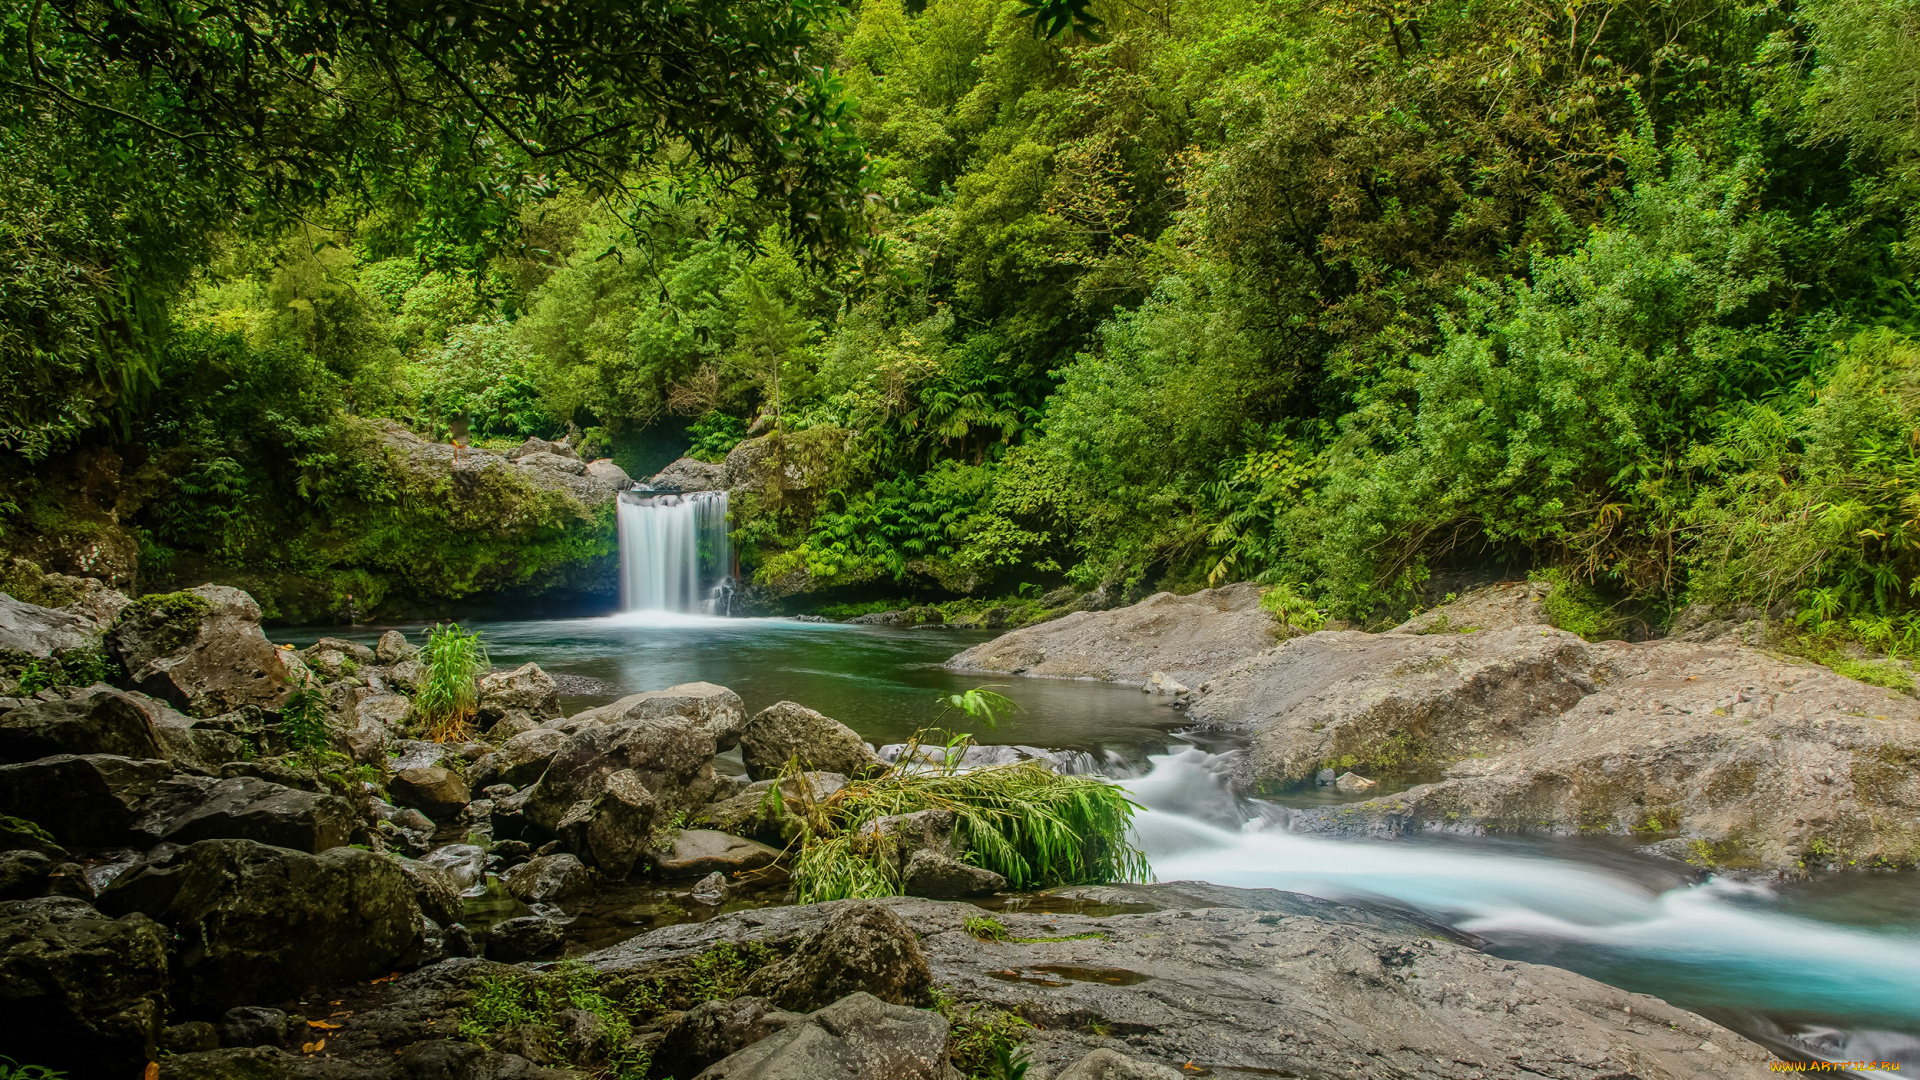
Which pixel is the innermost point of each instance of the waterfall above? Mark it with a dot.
(674, 554)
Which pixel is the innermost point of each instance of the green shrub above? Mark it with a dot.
(1291, 609)
(1572, 605)
(714, 436)
(447, 696)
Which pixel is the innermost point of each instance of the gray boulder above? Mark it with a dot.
(253, 1025)
(102, 722)
(184, 810)
(921, 848)
(45, 637)
(1189, 638)
(611, 830)
(786, 730)
(87, 800)
(393, 647)
(938, 875)
(523, 759)
(671, 759)
(699, 852)
(547, 878)
(754, 814)
(1105, 1064)
(690, 474)
(435, 890)
(716, 710)
(525, 690)
(437, 792)
(570, 465)
(352, 650)
(529, 937)
(714, 1030)
(259, 923)
(1500, 606)
(202, 651)
(862, 947)
(857, 1038)
(81, 992)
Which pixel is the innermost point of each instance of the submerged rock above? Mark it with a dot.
(259, 923)
(786, 730)
(1187, 638)
(81, 992)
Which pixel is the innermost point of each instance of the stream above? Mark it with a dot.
(1825, 968)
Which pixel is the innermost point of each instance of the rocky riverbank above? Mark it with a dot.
(1716, 753)
(187, 877)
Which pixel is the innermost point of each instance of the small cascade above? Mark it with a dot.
(674, 554)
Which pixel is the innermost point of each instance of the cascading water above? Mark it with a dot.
(674, 554)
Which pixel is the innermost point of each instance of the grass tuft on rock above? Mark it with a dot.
(448, 697)
(1033, 826)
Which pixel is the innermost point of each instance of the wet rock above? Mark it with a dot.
(698, 852)
(713, 1030)
(1350, 783)
(786, 730)
(688, 475)
(465, 864)
(710, 890)
(858, 1037)
(716, 710)
(861, 947)
(547, 878)
(529, 937)
(191, 1037)
(1105, 1064)
(103, 722)
(393, 647)
(526, 690)
(23, 874)
(941, 876)
(201, 651)
(352, 650)
(611, 830)
(1325, 777)
(510, 725)
(253, 1025)
(44, 637)
(19, 834)
(524, 758)
(434, 791)
(1396, 700)
(1188, 638)
(1380, 999)
(261, 923)
(435, 890)
(919, 616)
(671, 759)
(750, 813)
(183, 810)
(1160, 682)
(1500, 606)
(87, 800)
(81, 992)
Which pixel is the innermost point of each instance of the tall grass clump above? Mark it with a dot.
(1035, 827)
(447, 697)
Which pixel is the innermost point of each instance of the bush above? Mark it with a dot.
(447, 697)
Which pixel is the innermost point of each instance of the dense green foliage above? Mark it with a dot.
(1013, 296)
(446, 693)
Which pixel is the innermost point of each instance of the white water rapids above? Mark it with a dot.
(1720, 943)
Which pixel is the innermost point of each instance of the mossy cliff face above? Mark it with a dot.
(395, 526)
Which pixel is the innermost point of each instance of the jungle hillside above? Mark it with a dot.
(1354, 299)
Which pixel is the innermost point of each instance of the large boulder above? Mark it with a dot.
(698, 852)
(1722, 755)
(611, 830)
(393, 647)
(690, 474)
(1367, 702)
(862, 947)
(1188, 638)
(670, 757)
(435, 890)
(526, 691)
(523, 759)
(184, 810)
(714, 709)
(786, 730)
(437, 792)
(46, 638)
(88, 800)
(755, 813)
(81, 993)
(202, 651)
(547, 878)
(102, 722)
(859, 1037)
(713, 1030)
(259, 923)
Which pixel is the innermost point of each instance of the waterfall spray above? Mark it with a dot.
(674, 554)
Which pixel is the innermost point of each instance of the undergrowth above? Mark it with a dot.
(448, 698)
(1033, 826)
(983, 1042)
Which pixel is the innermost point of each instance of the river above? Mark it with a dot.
(1828, 967)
